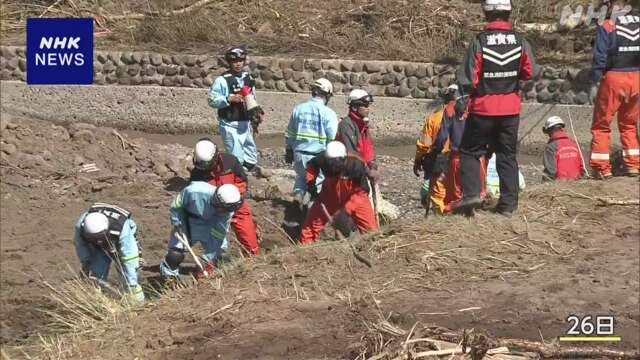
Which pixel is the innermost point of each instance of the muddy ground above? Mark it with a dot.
(564, 253)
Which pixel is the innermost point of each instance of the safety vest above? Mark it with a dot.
(626, 53)
(235, 111)
(117, 217)
(501, 54)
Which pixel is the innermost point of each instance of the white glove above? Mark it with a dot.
(593, 93)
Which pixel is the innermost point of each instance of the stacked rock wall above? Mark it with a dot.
(381, 78)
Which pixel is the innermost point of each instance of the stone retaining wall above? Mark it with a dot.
(381, 78)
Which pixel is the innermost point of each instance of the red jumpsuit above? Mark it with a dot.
(348, 190)
(227, 170)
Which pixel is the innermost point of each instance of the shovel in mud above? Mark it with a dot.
(183, 239)
(341, 237)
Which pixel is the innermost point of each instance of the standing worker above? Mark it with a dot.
(433, 188)
(562, 159)
(497, 59)
(616, 54)
(353, 130)
(107, 233)
(345, 187)
(219, 168)
(312, 126)
(201, 213)
(234, 123)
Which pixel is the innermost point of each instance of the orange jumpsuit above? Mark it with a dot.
(617, 54)
(348, 189)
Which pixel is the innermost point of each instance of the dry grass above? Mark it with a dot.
(416, 30)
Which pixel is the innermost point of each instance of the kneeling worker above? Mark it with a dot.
(200, 213)
(106, 233)
(562, 157)
(345, 187)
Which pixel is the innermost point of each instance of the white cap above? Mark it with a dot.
(496, 5)
(452, 87)
(95, 223)
(359, 95)
(336, 149)
(204, 152)
(227, 194)
(323, 85)
(553, 121)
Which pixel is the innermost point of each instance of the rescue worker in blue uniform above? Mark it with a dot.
(234, 123)
(312, 126)
(107, 233)
(202, 213)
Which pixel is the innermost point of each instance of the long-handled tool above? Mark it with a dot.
(183, 239)
(584, 164)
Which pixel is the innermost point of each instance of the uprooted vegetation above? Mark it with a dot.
(415, 30)
(572, 248)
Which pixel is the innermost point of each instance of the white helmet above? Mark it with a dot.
(336, 149)
(359, 96)
(551, 122)
(227, 196)
(95, 223)
(496, 5)
(324, 86)
(203, 154)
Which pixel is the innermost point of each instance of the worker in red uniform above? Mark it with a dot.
(218, 168)
(345, 187)
(353, 130)
(496, 60)
(562, 157)
(616, 54)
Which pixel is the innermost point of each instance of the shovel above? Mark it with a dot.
(183, 239)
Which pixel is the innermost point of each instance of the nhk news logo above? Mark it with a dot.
(59, 51)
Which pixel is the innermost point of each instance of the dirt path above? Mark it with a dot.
(521, 277)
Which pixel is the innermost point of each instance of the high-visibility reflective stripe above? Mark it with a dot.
(425, 185)
(177, 202)
(631, 152)
(305, 135)
(599, 156)
(130, 258)
(217, 234)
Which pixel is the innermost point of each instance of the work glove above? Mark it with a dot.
(312, 189)
(428, 164)
(417, 165)
(441, 164)
(288, 156)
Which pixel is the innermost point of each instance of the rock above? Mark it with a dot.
(581, 98)
(194, 73)
(446, 80)
(530, 96)
(397, 67)
(97, 67)
(297, 64)
(167, 81)
(318, 74)
(269, 85)
(388, 79)
(126, 58)
(121, 70)
(417, 93)
(161, 170)
(9, 148)
(410, 70)
(358, 66)
(5, 74)
(572, 73)
(333, 76)
(281, 86)
(346, 65)
(189, 60)
(412, 81)
(124, 80)
(284, 64)
(138, 58)
(278, 74)
(375, 79)
(99, 79)
(391, 90)
(155, 59)
(527, 85)
(133, 70)
(544, 96)
(404, 90)
(314, 65)
(135, 80)
(565, 86)
(433, 92)
(297, 75)
(148, 70)
(208, 81)
(28, 161)
(47, 155)
(430, 69)
(372, 67)
(566, 98)
(111, 79)
(172, 70)
(102, 57)
(287, 74)
(259, 84)
(167, 60)
(541, 85)
(292, 85)
(421, 71)
(108, 68)
(553, 86)
(330, 65)
(84, 135)
(197, 83)
(551, 73)
(266, 75)
(59, 132)
(22, 65)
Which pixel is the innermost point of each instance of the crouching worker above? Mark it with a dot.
(345, 187)
(562, 157)
(219, 168)
(107, 233)
(200, 213)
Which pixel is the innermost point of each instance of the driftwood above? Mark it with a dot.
(184, 10)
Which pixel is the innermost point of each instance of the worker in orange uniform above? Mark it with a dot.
(432, 193)
(218, 168)
(616, 54)
(345, 187)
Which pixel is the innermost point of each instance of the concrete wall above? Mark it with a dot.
(381, 78)
(179, 110)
